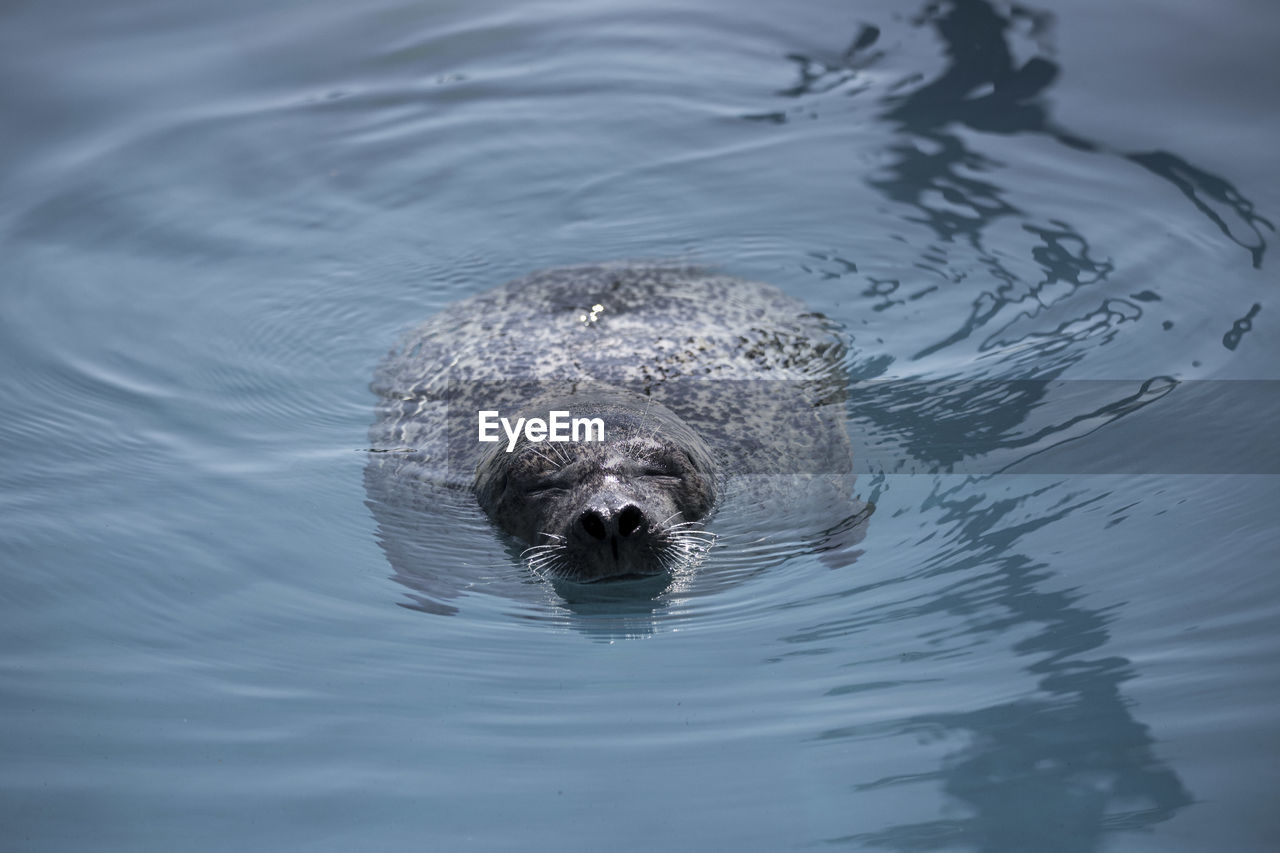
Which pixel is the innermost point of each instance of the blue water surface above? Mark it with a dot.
(218, 217)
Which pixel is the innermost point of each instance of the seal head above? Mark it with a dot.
(629, 506)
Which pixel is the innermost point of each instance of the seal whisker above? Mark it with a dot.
(545, 563)
(662, 524)
(691, 533)
(541, 550)
(546, 457)
(657, 424)
(686, 527)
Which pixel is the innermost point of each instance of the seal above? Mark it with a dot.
(706, 386)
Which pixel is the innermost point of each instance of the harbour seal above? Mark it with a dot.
(706, 387)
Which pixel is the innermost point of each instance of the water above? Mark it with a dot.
(218, 217)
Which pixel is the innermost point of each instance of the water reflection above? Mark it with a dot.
(984, 88)
(1065, 764)
(954, 190)
(936, 171)
(1059, 767)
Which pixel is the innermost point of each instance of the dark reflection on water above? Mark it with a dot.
(1059, 768)
(985, 89)
(936, 172)
(1068, 426)
(1055, 770)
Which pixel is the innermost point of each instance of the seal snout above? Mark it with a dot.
(603, 525)
(614, 539)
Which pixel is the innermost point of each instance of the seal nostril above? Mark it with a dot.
(593, 524)
(630, 520)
